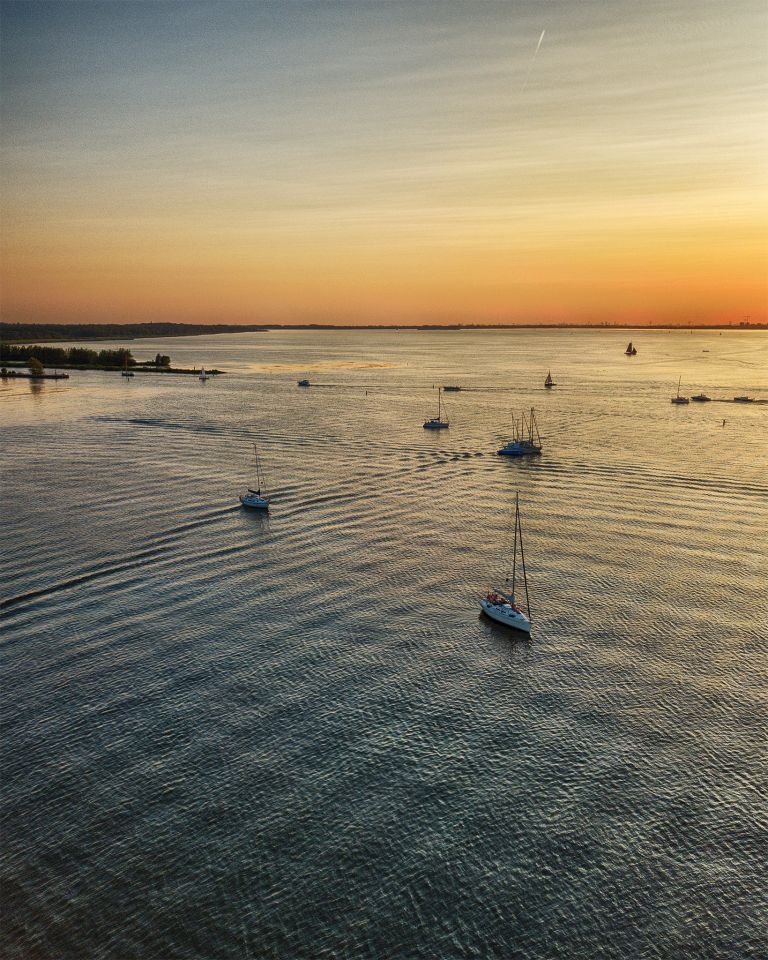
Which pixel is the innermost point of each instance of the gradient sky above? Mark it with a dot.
(385, 162)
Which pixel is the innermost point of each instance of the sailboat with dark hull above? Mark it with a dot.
(631, 350)
(437, 423)
(502, 607)
(678, 399)
(526, 440)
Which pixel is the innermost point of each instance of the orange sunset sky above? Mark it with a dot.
(384, 162)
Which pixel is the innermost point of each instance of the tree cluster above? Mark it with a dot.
(67, 356)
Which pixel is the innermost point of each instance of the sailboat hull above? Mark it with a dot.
(254, 502)
(504, 613)
(519, 449)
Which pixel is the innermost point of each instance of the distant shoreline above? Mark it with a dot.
(51, 333)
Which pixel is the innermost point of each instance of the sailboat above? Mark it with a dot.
(254, 498)
(678, 398)
(526, 438)
(437, 423)
(630, 351)
(126, 372)
(203, 375)
(503, 607)
(549, 382)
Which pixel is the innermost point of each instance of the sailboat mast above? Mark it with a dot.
(514, 552)
(535, 426)
(258, 469)
(519, 528)
(439, 392)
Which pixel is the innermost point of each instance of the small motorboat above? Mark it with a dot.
(451, 389)
(549, 382)
(701, 398)
(303, 383)
(743, 399)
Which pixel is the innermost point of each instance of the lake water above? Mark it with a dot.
(229, 735)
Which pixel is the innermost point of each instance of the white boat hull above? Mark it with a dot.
(504, 613)
(254, 502)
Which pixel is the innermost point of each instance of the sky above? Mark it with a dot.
(586, 161)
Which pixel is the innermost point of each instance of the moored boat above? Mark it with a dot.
(743, 399)
(255, 499)
(526, 440)
(502, 607)
(437, 423)
(701, 398)
(678, 398)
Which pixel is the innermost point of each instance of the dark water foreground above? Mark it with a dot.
(235, 736)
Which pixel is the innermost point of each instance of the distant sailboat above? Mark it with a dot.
(526, 440)
(126, 372)
(631, 350)
(549, 382)
(678, 398)
(437, 423)
(502, 607)
(254, 498)
(203, 375)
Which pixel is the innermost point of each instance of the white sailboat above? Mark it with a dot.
(254, 498)
(437, 423)
(526, 440)
(502, 607)
(203, 375)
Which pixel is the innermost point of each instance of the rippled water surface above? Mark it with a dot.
(228, 735)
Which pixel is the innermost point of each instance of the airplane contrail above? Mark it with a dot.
(528, 73)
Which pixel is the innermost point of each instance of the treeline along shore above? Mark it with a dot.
(83, 358)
